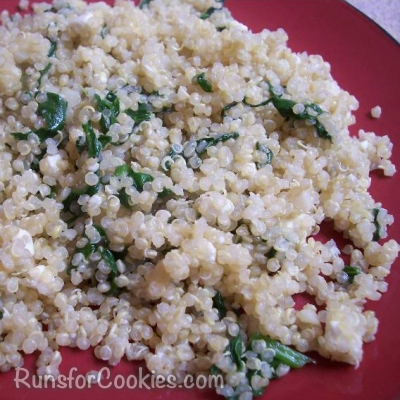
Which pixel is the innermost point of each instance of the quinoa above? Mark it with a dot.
(376, 112)
(153, 157)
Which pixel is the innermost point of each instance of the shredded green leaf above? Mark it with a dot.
(377, 234)
(94, 145)
(43, 72)
(207, 142)
(140, 115)
(271, 253)
(104, 31)
(53, 110)
(227, 108)
(139, 179)
(352, 272)
(204, 83)
(109, 108)
(207, 14)
(144, 3)
(219, 304)
(236, 348)
(52, 49)
(267, 151)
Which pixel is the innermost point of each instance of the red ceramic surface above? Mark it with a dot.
(366, 62)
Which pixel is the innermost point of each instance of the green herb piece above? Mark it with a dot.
(53, 193)
(105, 140)
(115, 290)
(94, 145)
(109, 108)
(378, 228)
(221, 28)
(101, 231)
(263, 103)
(104, 31)
(53, 110)
(204, 83)
(52, 49)
(75, 193)
(352, 272)
(172, 152)
(207, 142)
(140, 115)
(266, 150)
(88, 249)
(236, 348)
(271, 253)
(124, 199)
(44, 134)
(80, 144)
(43, 72)
(249, 375)
(219, 304)
(285, 109)
(227, 108)
(283, 354)
(109, 259)
(139, 179)
(208, 13)
(144, 3)
(20, 135)
(214, 370)
(165, 193)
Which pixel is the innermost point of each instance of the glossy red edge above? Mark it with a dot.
(365, 61)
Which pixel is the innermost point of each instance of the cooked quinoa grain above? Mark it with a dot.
(163, 174)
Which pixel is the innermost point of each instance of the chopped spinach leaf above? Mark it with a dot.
(214, 370)
(378, 228)
(236, 348)
(271, 253)
(52, 49)
(20, 135)
(263, 103)
(352, 272)
(43, 72)
(53, 193)
(44, 134)
(140, 115)
(204, 83)
(165, 193)
(227, 108)
(285, 109)
(104, 140)
(207, 14)
(283, 354)
(94, 145)
(75, 193)
(104, 31)
(109, 259)
(53, 110)
(144, 3)
(207, 142)
(267, 151)
(219, 304)
(109, 108)
(139, 179)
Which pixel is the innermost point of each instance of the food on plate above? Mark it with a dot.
(164, 174)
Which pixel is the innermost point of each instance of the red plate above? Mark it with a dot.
(366, 62)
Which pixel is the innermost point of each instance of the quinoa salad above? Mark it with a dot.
(164, 173)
